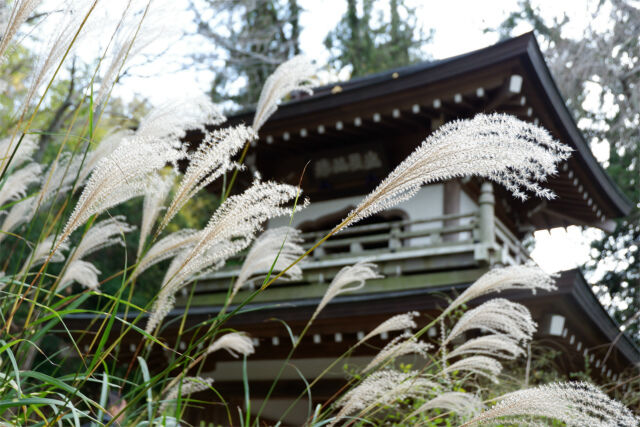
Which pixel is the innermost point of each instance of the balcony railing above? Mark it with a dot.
(439, 243)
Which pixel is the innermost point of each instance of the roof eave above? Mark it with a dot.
(608, 189)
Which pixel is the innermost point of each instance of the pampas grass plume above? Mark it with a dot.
(355, 275)
(235, 343)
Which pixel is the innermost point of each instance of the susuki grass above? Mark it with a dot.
(56, 218)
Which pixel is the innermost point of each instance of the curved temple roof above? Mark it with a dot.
(510, 76)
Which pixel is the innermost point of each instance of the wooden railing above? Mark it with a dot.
(394, 235)
(511, 250)
(393, 244)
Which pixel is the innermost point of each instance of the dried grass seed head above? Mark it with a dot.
(167, 247)
(126, 173)
(16, 185)
(399, 322)
(498, 147)
(505, 278)
(103, 234)
(498, 316)
(20, 213)
(186, 387)
(23, 154)
(82, 272)
(69, 29)
(152, 206)
(577, 404)
(281, 242)
(355, 275)
(210, 161)
(231, 229)
(171, 120)
(60, 177)
(400, 346)
(383, 387)
(104, 148)
(20, 11)
(480, 365)
(292, 75)
(494, 345)
(42, 252)
(463, 404)
(235, 343)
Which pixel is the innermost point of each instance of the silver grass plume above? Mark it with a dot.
(383, 387)
(15, 186)
(231, 229)
(399, 322)
(495, 345)
(69, 30)
(187, 386)
(82, 272)
(506, 278)
(167, 247)
(498, 316)
(19, 13)
(292, 75)
(400, 346)
(498, 147)
(171, 120)
(60, 177)
(480, 365)
(23, 154)
(126, 173)
(209, 162)
(20, 213)
(102, 234)
(355, 275)
(234, 343)
(131, 39)
(105, 147)
(42, 252)
(281, 242)
(577, 404)
(463, 404)
(152, 206)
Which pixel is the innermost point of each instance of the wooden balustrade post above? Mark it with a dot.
(394, 240)
(486, 223)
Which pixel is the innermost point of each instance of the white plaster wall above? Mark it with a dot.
(467, 204)
(317, 210)
(428, 203)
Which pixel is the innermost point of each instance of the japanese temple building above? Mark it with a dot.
(430, 247)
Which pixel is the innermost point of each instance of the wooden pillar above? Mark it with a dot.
(451, 205)
(486, 223)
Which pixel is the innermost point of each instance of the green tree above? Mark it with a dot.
(603, 65)
(370, 45)
(260, 36)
